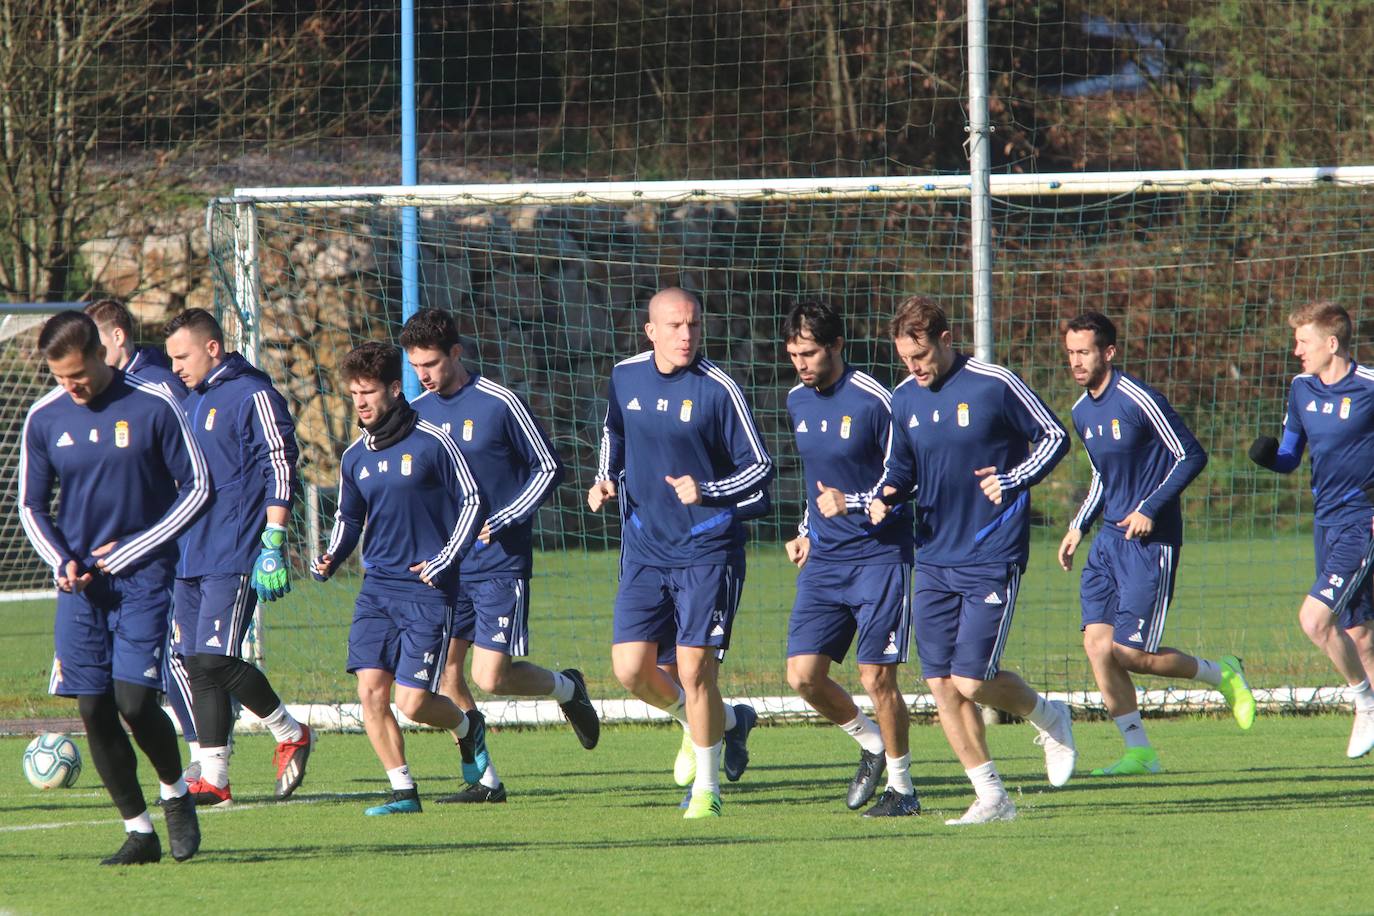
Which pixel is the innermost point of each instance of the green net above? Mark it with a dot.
(550, 295)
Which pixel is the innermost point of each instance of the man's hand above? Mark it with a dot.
(602, 492)
(416, 569)
(1137, 525)
(321, 568)
(485, 534)
(830, 501)
(102, 551)
(688, 493)
(71, 579)
(1264, 451)
(270, 575)
(878, 509)
(798, 550)
(1067, 547)
(992, 486)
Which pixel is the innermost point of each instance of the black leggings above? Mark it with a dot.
(111, 750)
(217, 678)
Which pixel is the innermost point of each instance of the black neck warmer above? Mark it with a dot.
(391, 427)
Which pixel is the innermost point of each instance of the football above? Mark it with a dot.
(51, 761)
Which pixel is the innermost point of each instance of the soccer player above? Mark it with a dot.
(969, 440)
(406, 482)
(131, 478)
(233, 555)
(1331, 410)
(855, 578)
(1142, 457)
(680, 451)
(116, 326)
(516, 468)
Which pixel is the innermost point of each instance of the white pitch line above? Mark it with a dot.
(248, 806)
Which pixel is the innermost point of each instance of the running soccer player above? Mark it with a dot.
(406, 482)
(1331, 410)
(233, 555)
(680, 451)
(116, 326)
(969, 440)
(855, 578)
(517, 469)
(1142, 457)
(131, 478)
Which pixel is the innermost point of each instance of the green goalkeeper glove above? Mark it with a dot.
(270, 578)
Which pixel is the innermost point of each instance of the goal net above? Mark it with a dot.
(548, 283)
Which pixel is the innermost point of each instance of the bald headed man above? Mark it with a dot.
(682, 455)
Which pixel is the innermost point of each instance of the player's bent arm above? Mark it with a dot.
(1282, 457)
(753, 466)
(462, 486)
(1028, 414)
(546, 469)
(186, 463)
(271, 436)
(1189, 456)
(36, 480)
(1092, 503)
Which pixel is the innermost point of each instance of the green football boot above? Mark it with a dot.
(1236, 691)
(685, 766)
(707, 804)
(1137, 761)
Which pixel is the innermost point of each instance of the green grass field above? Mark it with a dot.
(1236, 596)
(1273, 821)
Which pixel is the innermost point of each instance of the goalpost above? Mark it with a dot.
(1198, 268)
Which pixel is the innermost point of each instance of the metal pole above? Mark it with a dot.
(410, 175)
(980, 171)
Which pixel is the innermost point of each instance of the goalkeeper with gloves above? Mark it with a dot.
(1331, 412)
(234, 554)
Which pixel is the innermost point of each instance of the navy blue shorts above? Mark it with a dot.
(211, 614)
(1344, 555)
(494, 614)
(408, 639)
(1129, 585)
(836, 600)
(687, 606)
(114, 630)
(963, 616)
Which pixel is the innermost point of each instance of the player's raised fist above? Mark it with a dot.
(1072, 538)
(798, 551)
(992, 486)
(878, 509)
(602, 492)
(830, 501)
(688, 493)
(321, 568)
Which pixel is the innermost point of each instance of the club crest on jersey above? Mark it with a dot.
(844, 427)
(801, 427)
(122, 434)
(65, 440)
(406, 459)
(1116, 429)
(962, 415)
(210, 419)
(633, 405)
(467, 430)
(1345, 409)
(685, 414)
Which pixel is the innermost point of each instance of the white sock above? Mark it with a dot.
(462, 730)
(175, 790)
(214, 766)
(1041, 715)
(284, 727)
(141, 824)
(865, 731)
(489, 777)
(1132, 729)
(400, 778)
(987, 785)
(729, 716)
(708, 769)
(1362, 695)
(194, 748)
(678, 709)
(899, 775)
(563, 687)
(1208, 672)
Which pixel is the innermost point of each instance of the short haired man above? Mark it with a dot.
(131, 479)
(233, 555)
(517, 470)
(1143, 457)
(1331, 411)
(969, 440)
(855, 578)
(406, 482)
(680, 451)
